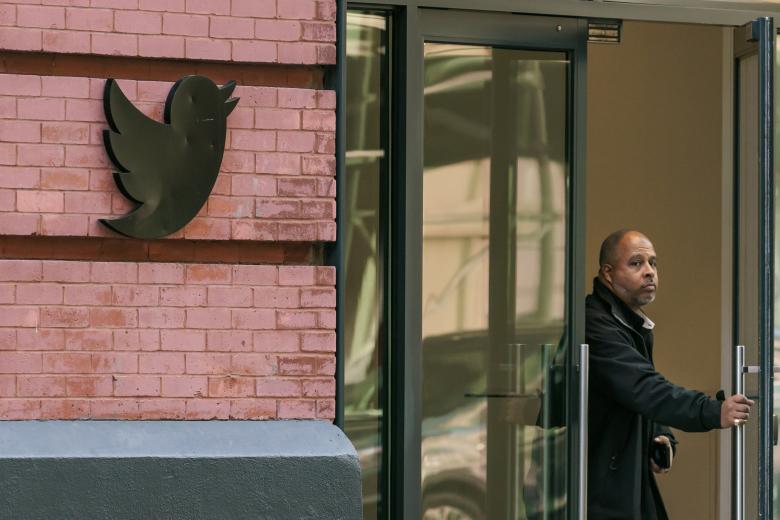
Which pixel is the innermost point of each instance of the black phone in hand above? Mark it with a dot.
(660, 454)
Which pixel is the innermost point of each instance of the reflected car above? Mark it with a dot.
(459, 395)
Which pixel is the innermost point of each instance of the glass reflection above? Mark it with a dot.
(365, 166)
(493, 280)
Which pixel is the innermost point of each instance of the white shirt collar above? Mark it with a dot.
(648, 323)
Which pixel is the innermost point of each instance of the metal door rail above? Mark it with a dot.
(739, 438)
(583, 433)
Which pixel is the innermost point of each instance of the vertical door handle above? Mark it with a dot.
(774, 429)
(583, 433)
(738, 484)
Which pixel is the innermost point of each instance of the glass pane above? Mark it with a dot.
(493, 274)
(365, 166)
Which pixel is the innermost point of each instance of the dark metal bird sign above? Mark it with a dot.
(168, 168)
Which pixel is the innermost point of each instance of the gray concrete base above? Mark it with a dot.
(177, 470)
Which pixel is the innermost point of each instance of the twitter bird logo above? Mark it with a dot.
(168, 168)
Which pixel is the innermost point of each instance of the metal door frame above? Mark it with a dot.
(403, 412)
(537, 33)
(413, 26)
(757, 38)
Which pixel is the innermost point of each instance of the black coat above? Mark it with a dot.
(629, 405)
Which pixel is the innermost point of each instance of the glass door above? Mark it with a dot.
(500, 308)
(753, 275)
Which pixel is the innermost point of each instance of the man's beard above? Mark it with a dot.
(644, 300)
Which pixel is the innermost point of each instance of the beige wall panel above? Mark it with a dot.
(654, 164)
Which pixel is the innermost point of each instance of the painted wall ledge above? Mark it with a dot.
(177, 469)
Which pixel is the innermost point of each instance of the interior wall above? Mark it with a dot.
(654, 164)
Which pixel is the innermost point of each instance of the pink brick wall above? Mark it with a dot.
(165, 341)
(257, 31)
(177, 340)
(276, 183)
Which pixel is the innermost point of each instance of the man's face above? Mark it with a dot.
(632, 273)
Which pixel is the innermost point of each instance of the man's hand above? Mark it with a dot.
(663, 439)
(735, 411)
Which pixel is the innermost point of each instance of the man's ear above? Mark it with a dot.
(606, 273)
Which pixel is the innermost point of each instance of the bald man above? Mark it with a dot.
(631, 405)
